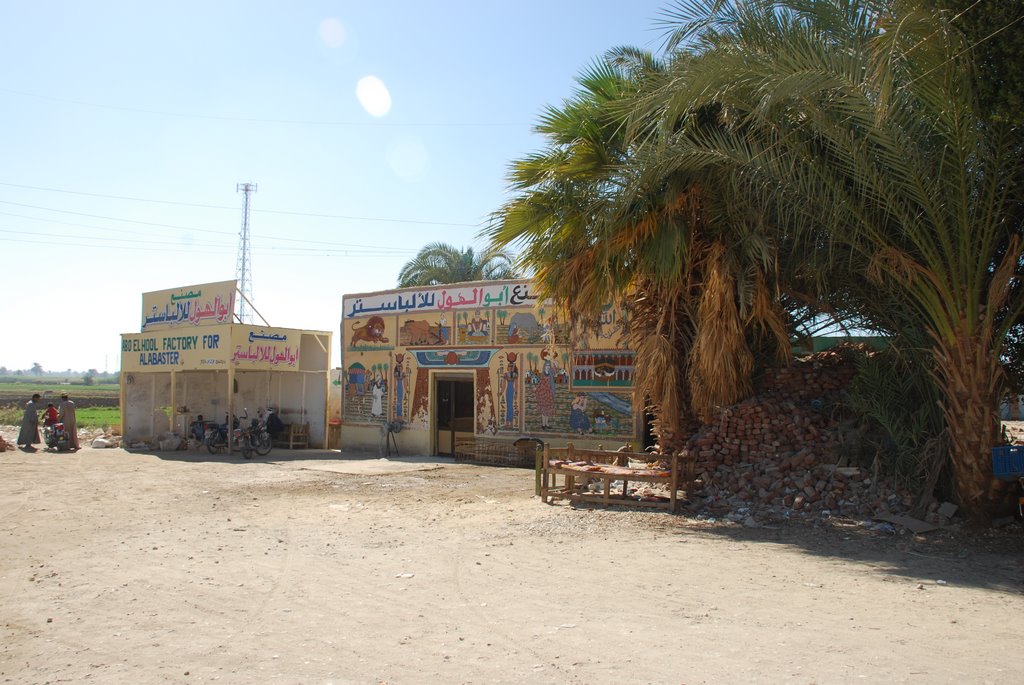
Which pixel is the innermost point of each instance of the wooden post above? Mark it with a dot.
(539, 467)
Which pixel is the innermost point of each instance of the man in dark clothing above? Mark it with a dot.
(274, 424)
(29, 434)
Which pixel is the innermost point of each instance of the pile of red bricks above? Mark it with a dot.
(777, 452)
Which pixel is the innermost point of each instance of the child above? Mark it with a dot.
(50, 415)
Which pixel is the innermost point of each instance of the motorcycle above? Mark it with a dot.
(259, 435)
(56, 437)
(216, 439)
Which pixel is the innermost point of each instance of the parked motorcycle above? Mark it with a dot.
(243, 438)
(259, 435)
(56, 437)
(216, 439)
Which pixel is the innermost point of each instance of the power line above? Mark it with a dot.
(63, 240)
(367, 218)
(115, 197)
(107, 218)
(258, 211)
(253, 120)
(320, 243)
(285, 250)
(118, 241)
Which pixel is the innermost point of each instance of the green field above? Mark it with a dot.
(96, 405)
(19, 392)
(98, 417)
(88, 417)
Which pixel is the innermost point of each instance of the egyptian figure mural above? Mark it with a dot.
(486, 415)
(509, 392)
(473, 328)
(366, 390)
(400, 376)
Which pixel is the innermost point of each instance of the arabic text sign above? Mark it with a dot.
(440, 298)
(197, 305)
(265, 348)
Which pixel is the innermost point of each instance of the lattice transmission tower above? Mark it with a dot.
(243, 267)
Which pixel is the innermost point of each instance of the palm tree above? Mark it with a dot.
(439, 263)
(597, 222)
(856, 123)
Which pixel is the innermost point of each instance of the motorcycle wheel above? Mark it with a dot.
(263, 444)
(212, 446)
(246, 448)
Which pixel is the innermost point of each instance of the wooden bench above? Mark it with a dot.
(294, 435)
(570, 473)
(520, 453)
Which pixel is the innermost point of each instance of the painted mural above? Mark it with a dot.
(532, 327)
(544, 375)
(509, 394)
(400, 377)
(533, 372)
(603, 369)
(373, 333)
(367, 390)
(419, 332)
(486, 415)
(608, 331)
(473, 328)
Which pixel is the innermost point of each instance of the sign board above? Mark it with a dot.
(274, 349)
(209, 304)
(211, 349)
(440, 298)
(177, 350)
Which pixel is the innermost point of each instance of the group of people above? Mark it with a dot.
(63, 412)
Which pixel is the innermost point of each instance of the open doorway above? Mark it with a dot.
(453, 410)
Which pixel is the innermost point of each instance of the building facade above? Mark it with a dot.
(479, 363)
(190, 359)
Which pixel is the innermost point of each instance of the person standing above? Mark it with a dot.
(29, 434)
(66, 411)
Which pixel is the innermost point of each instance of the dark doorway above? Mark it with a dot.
(650, 439)
(454, 412)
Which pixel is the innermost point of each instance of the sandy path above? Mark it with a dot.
(126, 567)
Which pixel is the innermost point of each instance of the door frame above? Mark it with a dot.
(453, 376)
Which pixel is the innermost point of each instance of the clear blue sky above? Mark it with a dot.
(125, 127)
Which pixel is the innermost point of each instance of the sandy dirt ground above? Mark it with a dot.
(306, 567)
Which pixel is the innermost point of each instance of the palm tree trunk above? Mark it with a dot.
(968, 374)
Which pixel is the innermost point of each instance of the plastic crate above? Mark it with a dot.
(1008, 461)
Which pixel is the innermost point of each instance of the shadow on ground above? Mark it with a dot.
(990, 558)
(284, 456)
